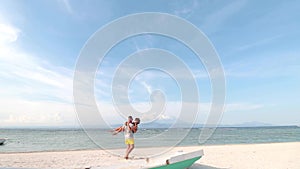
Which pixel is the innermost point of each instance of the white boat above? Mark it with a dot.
(2, 140)
(181, 161)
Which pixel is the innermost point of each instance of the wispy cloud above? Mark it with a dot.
(33, 91)
(259, 43)
(67, 6)
(147, 86)
(218, 17)
(269, 64)
(51, 80)
(28, 71)
(187, 9)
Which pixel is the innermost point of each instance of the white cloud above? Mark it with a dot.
(28, 71)
(8, 33)
(171, 112)
(33, 91)
(19, 112)
(164, 117)
(32, 119)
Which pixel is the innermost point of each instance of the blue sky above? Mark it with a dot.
(257, 42)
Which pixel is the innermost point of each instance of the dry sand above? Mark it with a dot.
(248, 156)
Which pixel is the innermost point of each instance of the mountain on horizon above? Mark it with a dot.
(253, 124)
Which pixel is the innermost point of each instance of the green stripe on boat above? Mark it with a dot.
(181, 161)
(179, 165)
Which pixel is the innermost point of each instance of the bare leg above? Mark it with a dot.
(130, 149)
(127, 151)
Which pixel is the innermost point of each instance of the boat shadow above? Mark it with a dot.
(201, 166)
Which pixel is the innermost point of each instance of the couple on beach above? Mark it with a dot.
(129, 128)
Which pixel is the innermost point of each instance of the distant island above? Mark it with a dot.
(184, 125)
(157, 124)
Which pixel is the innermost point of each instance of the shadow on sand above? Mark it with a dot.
(201, 166)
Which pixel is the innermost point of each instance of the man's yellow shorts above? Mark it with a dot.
(129, 141)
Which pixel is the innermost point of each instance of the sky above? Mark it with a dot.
(257, 43)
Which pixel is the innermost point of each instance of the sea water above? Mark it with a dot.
(31, 140)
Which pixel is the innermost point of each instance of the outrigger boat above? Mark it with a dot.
(181, 161)
(2, 140)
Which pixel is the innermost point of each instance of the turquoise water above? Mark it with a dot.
(29, 140)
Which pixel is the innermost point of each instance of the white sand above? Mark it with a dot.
(252, 156)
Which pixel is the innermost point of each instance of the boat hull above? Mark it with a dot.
(179, 165)
(2, 141)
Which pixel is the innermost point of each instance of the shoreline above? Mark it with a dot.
(114, 149)
(116, 125)
(267, 155)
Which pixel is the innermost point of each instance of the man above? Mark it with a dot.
(128, 128)
(128, 133)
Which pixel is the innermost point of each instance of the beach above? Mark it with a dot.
(260, 156)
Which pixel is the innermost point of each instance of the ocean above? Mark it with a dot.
(39, 140)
